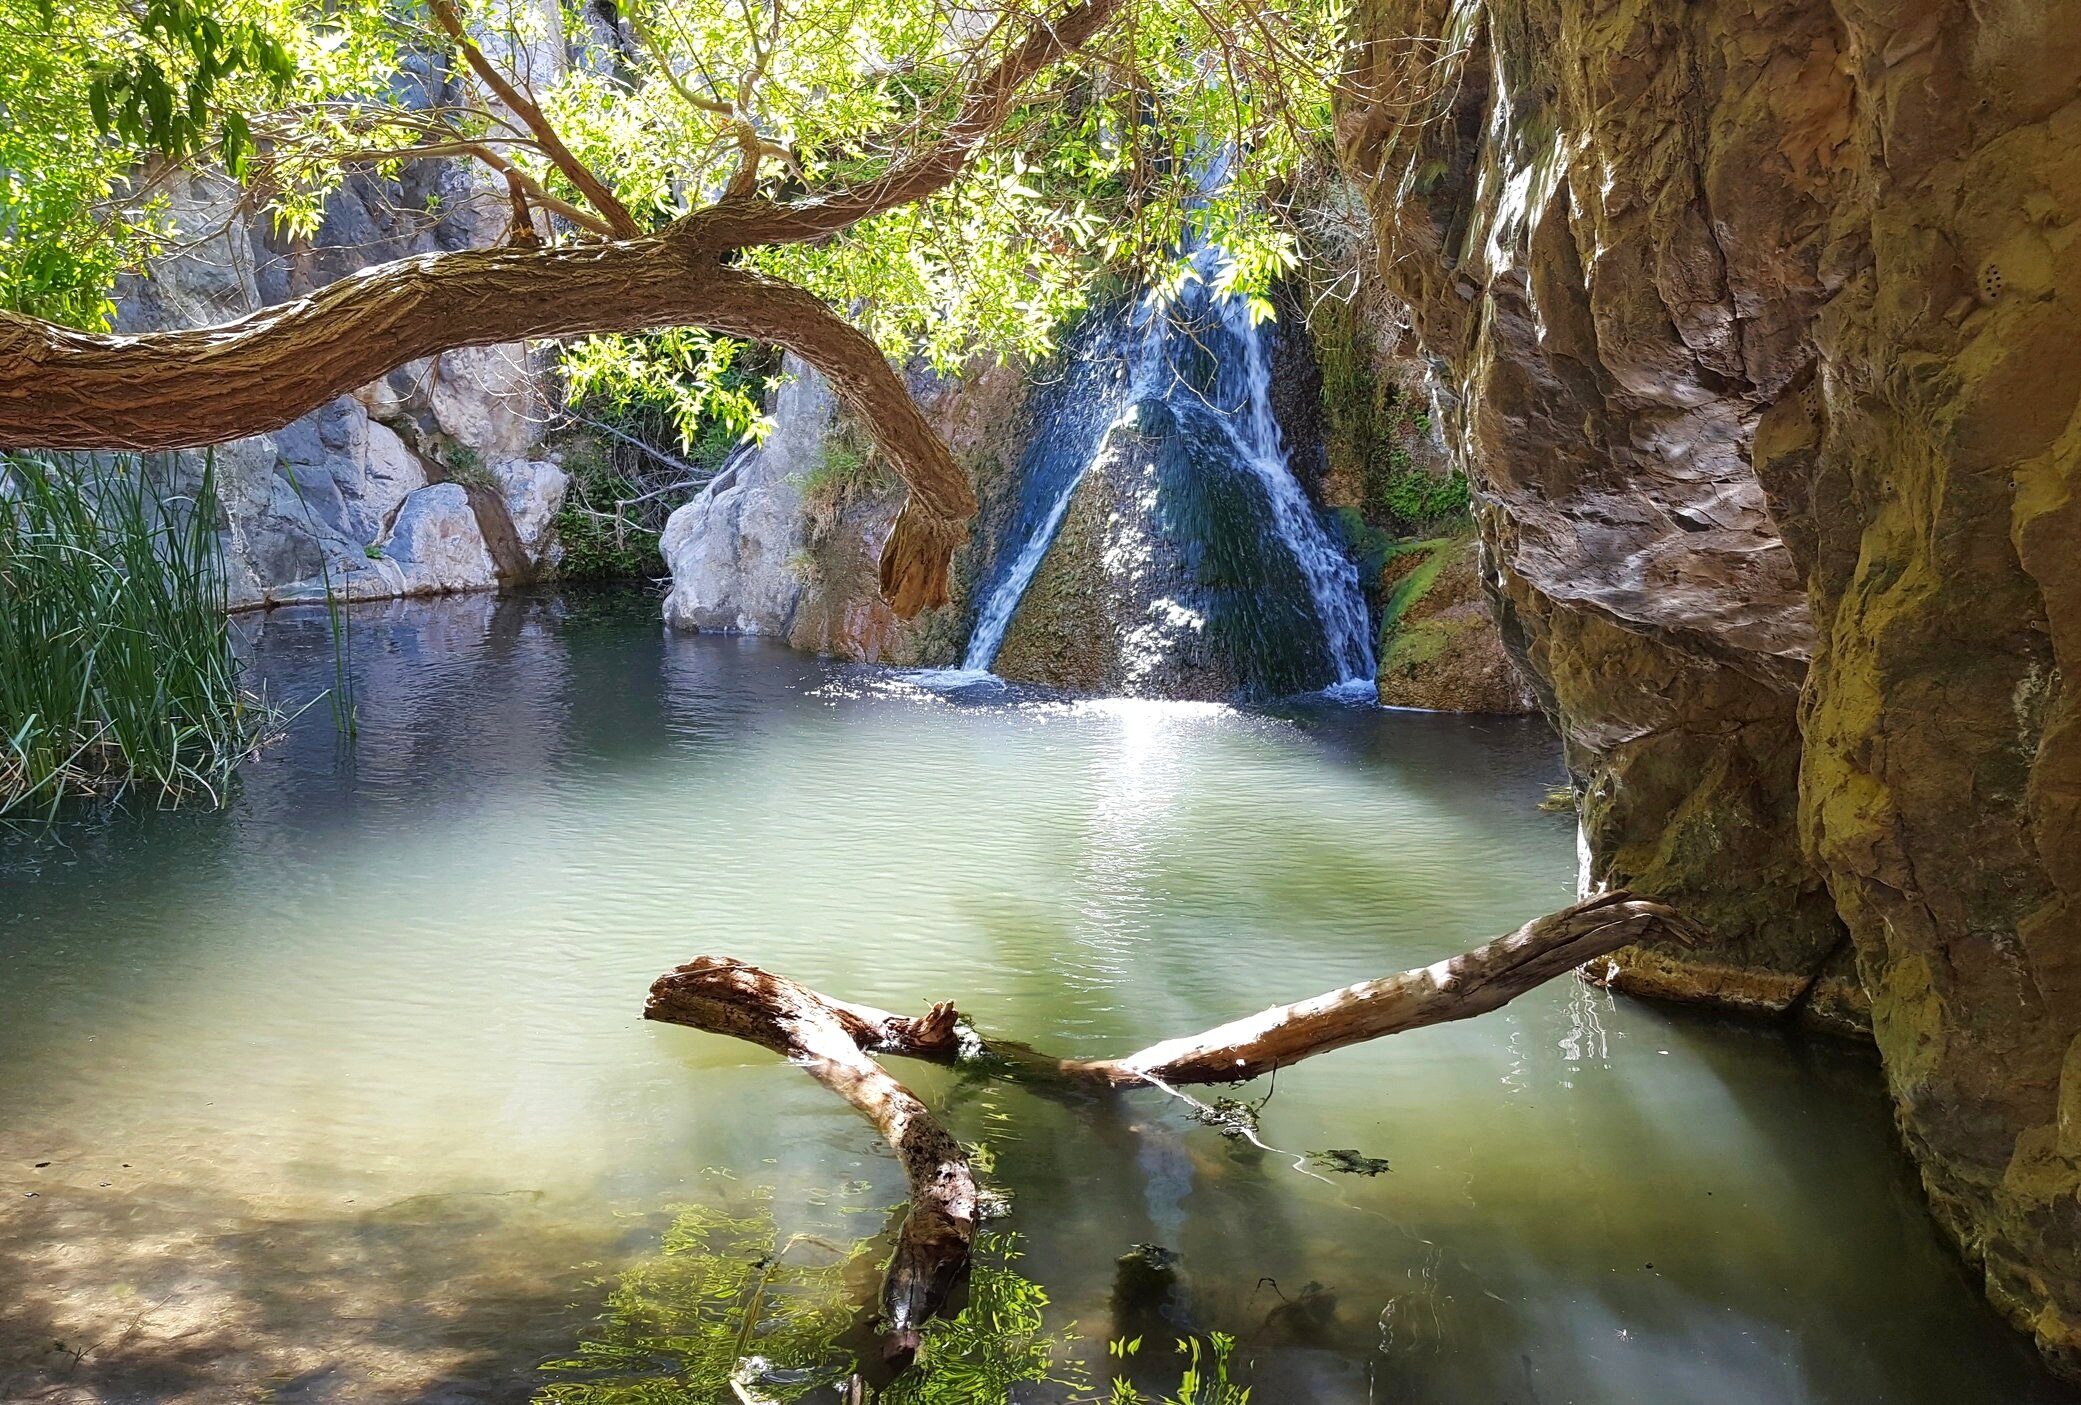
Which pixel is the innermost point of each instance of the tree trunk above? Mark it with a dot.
(61, 389)
(832, 1040)
(827, 1038)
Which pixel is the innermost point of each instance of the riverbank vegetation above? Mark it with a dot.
(117, 670)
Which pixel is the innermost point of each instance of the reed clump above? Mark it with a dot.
(117, 667)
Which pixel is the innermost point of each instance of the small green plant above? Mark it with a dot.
(1420, 502)
(116, 662)
(729, 1310)
(462, 464)
(1206, 1378)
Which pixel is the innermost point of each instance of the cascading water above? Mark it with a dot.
(1193, 379)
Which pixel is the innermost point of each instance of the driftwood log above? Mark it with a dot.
(834, 1041)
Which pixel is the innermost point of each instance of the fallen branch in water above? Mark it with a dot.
(833, 1039)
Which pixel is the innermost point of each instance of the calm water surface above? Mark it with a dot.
(341, 1094)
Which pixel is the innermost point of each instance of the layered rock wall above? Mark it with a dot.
(1762, 326)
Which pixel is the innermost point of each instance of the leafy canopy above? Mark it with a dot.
(670, 105)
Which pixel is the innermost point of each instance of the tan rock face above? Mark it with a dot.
(1551, 200)
(1764, 323)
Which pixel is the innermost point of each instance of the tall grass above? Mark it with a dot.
(116, 663)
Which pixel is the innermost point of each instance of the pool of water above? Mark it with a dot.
(341, 1094)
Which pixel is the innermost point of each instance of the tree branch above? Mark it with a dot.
(989, 101)
(575, 171)
(832, 1040)
(917, 558)
(489, 156)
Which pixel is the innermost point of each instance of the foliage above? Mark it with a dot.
(601, 540)
(709, 386)
(848, 466)
(1420, 501)
(116, 663)
(672, 104)
(728, 1305)
(1206, 1379)
(633, 454)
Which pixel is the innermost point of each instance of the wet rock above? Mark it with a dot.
(1167, 578)
(1759, 319)
(1440, 645)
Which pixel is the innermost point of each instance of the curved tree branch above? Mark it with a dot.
(918, 554)
(63, 389)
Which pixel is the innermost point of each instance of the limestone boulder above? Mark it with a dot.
(736, 550)
(532, 493)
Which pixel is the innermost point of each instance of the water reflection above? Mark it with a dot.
(342, 1094)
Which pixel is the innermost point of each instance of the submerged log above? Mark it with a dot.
(833, 1040)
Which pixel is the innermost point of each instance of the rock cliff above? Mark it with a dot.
(1761, 328)
(422, 483)
(786, 540)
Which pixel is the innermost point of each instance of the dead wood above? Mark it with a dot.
(834, 1041)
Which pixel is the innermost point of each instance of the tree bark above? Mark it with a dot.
(833, 1040)
(828, 1039)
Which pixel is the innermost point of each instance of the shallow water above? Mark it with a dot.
(344, 1096)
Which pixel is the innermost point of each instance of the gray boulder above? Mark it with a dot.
(736, 551)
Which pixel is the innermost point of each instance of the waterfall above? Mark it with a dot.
(1141, 353)
(1332, 576)
(1111, 365)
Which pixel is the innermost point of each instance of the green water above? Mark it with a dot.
(344, 1096)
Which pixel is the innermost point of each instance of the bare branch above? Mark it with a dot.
(575, 171)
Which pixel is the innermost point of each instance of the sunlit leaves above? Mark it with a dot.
(161, 94)
(1182, 125)
(688, 370)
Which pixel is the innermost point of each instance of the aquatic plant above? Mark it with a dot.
(116, 660)
(730, 1310)
(1206, 1379)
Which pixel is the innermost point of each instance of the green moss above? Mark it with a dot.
(1415, 583)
